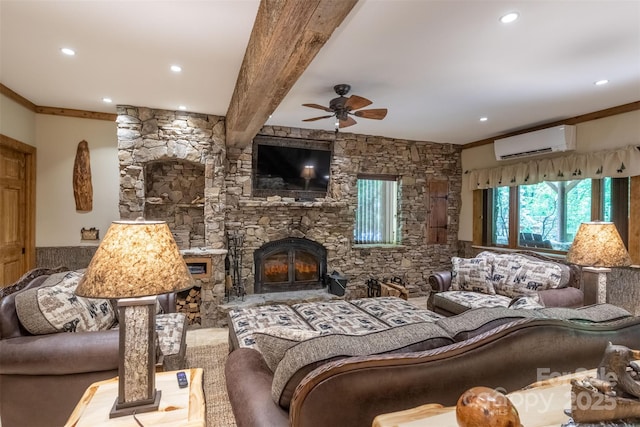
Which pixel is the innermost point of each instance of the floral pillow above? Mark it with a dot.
(471, 274)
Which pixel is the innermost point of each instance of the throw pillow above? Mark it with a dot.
(472, 274)
(272, 342)
(54, 307)
(526, 302)
(515, 275)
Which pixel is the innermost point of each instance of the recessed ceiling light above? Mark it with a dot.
(484, 119)
(509, 17)
(107, 100)
(68, 51)
(601, 82)
(182, 107)
(176, 68)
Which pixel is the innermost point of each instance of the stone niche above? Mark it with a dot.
(174, 192)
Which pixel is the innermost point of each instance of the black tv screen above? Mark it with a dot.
(291, 171)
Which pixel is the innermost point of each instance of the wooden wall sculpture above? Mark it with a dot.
(82, 187)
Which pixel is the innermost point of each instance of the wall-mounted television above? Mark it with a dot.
(291, 167)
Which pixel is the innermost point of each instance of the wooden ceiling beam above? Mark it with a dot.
(286, 36)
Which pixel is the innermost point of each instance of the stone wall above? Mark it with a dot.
(147, 136)
(174, 192)
(330, 221)
(172, 165)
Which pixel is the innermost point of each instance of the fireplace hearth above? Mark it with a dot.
(290, 264)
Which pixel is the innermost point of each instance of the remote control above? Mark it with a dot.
(182, 379)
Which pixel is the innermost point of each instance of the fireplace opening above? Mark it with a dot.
(290, 264)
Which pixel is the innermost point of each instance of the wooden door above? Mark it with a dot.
(438, 194)
(17, 252)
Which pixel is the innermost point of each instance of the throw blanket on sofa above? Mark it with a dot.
(355, 317)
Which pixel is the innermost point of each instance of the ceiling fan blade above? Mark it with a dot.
(313, 119)
(356, 102)
(318, 106)
(374, 113)
(349, 121)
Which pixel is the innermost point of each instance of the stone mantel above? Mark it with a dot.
(202, 252)
(292, 204)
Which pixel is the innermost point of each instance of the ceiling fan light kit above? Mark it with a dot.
(342, 108)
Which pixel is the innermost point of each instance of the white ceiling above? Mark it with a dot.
(438, 66)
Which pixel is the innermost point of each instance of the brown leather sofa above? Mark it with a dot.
(42, 377)
(569, 296)
(351, 391)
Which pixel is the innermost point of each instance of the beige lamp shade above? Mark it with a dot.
(598, 244)
(308, 172)
(135, 259)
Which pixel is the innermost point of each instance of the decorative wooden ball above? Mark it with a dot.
(483, 406)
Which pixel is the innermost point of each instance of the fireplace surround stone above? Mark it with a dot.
(149, 137)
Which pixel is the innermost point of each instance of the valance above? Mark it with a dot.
(618, 163)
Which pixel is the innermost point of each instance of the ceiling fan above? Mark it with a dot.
(344, 107)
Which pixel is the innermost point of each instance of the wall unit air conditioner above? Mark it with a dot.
(557, 138)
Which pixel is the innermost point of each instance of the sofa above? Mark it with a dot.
(44, 374)
(492, 279)
(339, 379)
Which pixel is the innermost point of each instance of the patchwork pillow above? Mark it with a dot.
(54, 307)
(274, 341)
(471, 274)
(515, 275)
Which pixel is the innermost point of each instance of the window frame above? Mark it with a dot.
(397, 241)
(619, 214)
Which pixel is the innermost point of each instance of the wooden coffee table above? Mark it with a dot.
(178, 406)
(541, 404)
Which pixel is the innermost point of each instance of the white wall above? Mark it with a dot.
(57, 221)
(17, 122)
(602, 134)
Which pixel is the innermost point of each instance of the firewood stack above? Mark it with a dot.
(394, 288)
(188, 302)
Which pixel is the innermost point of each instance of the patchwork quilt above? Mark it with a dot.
(354, 317)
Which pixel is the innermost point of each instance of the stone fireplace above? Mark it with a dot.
(176, 166)
(290, 264)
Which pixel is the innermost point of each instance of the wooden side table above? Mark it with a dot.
(541, 404)
(183, 407)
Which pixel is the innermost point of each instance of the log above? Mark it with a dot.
(398, 290)
(82, 187)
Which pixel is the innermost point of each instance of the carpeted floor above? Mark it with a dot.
(212, 359)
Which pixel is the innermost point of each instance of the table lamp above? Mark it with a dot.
(598, 244)
(597, 247)
(308, 173)
(136, 261)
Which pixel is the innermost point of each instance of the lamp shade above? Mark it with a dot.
(598, 244)
(308, 172)
(135, 259)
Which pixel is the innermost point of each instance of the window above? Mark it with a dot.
(547, 215)
(377, 211)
